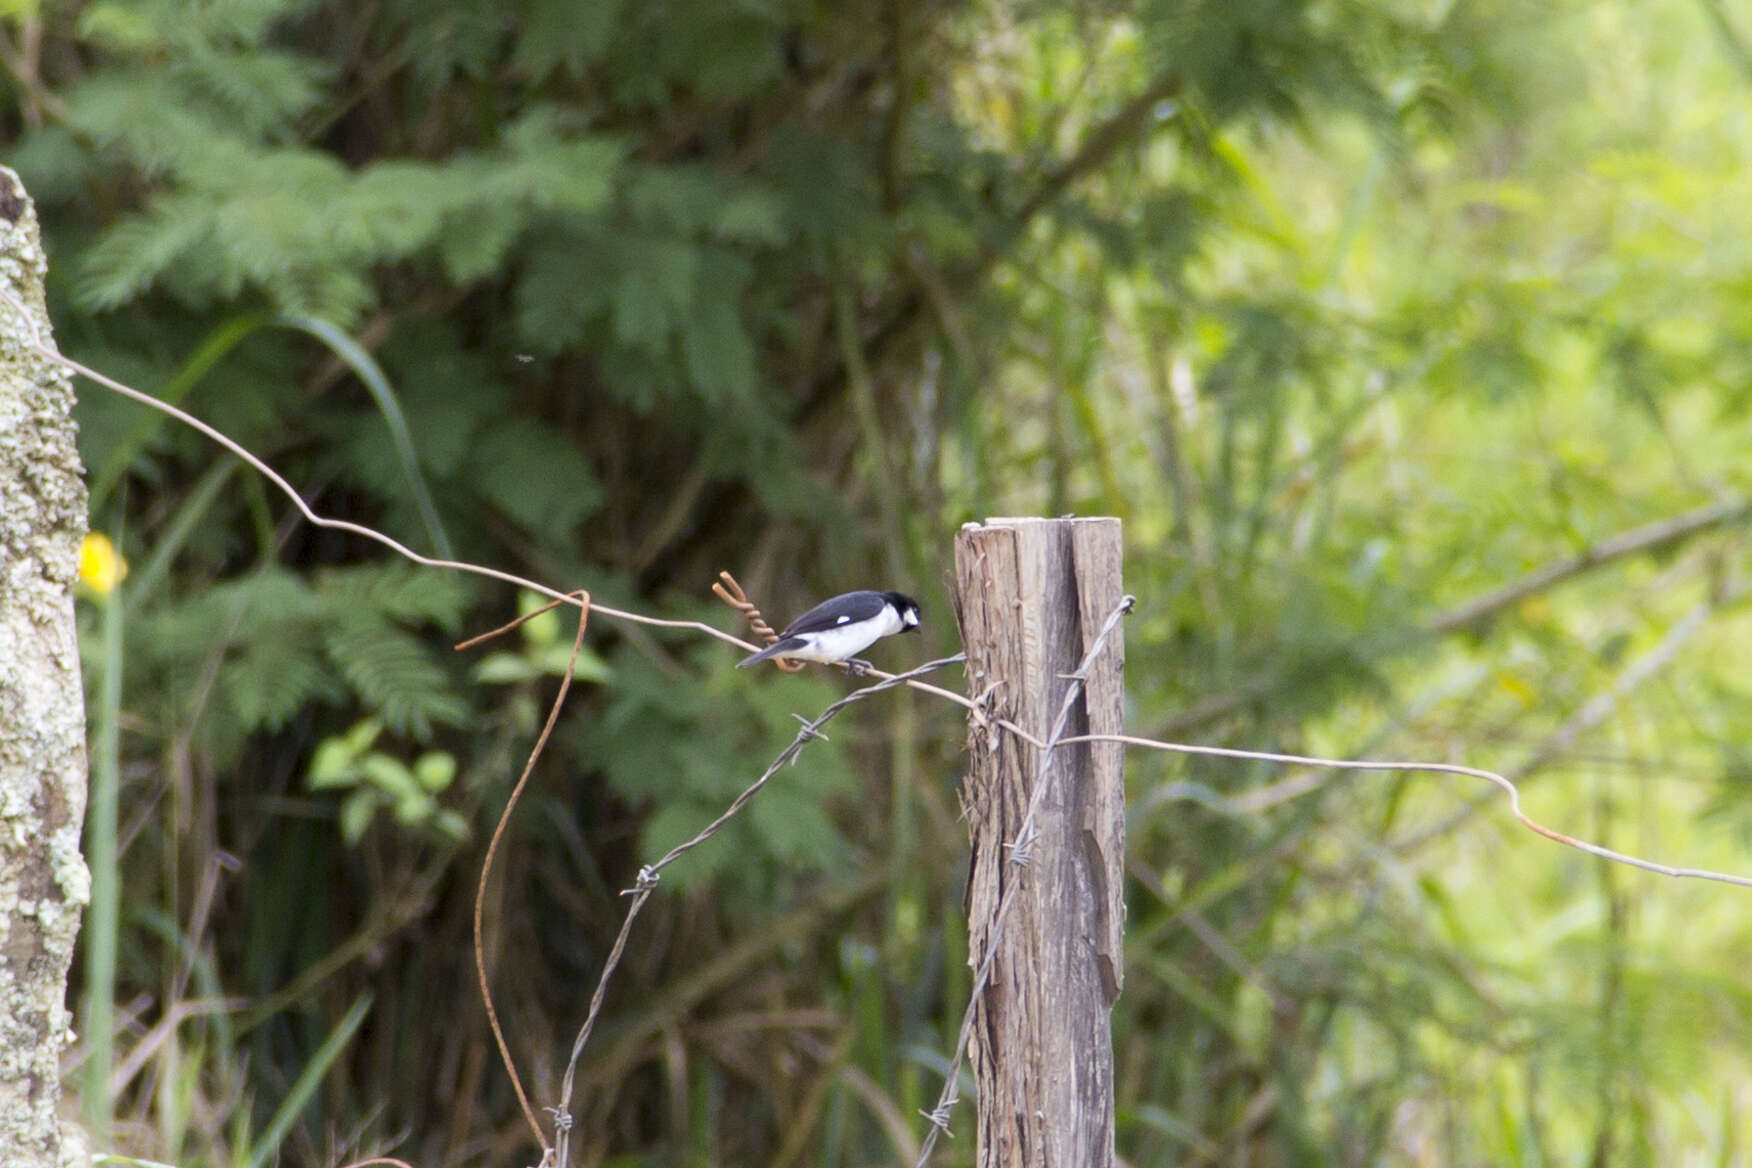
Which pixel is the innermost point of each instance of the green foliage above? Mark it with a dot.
(1353, 311)
(544, 652)
(266, 645)
(382, 781)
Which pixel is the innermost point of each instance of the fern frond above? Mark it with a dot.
(398, 590)
(393, 672)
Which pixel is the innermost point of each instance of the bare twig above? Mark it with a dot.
(480, 638)
(1649, 538)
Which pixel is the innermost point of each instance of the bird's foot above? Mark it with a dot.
(857, 667)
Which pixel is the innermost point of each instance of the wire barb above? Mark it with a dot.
(643, 883)
(938, 1117)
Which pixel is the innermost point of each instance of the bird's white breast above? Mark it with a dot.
(841, 643)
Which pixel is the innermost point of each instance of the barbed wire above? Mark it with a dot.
(648, 875)
(977, 708)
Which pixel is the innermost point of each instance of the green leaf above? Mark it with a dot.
(752, 216)
(436, 770)
(410, 593)
(553, 33)
(331, 765)
(475, 241)
(544, 167)
(733, 56)
(272, 677)
(392, 671)
(563, 288)
(121, 28)
(304, 1088)
(361, 736)
(357, 811)
(557, 657)
(413, 808)
(544, 627)
(390, 775)
(137, 251)
(504, 669)
(718, 353)
(366, 369)
(651, 298)
(534, 475)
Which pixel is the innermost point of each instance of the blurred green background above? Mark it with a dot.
(1353, 311)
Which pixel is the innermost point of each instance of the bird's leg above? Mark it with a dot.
(857, 667)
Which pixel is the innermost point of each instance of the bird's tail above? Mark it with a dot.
(776, 649)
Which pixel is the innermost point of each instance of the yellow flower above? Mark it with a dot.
(101, 567)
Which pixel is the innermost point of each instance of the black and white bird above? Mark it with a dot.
(841, 628)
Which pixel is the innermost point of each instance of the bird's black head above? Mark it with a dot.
(907, 607)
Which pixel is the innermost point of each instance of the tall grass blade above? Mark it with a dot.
(103, 920)
(218, 343)
(267, 1149)
(366, 369)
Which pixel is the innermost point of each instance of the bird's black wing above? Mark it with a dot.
(841, 610)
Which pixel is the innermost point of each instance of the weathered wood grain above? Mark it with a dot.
(1033, 594)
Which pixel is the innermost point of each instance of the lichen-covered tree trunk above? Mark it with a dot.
(43, 881)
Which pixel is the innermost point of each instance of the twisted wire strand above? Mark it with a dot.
(730, 592)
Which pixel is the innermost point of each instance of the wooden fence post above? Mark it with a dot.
(1033, 594)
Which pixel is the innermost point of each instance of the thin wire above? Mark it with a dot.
(1507, 785)
(286, 488)
(290, 492)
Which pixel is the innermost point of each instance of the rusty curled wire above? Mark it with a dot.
(730, 592)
